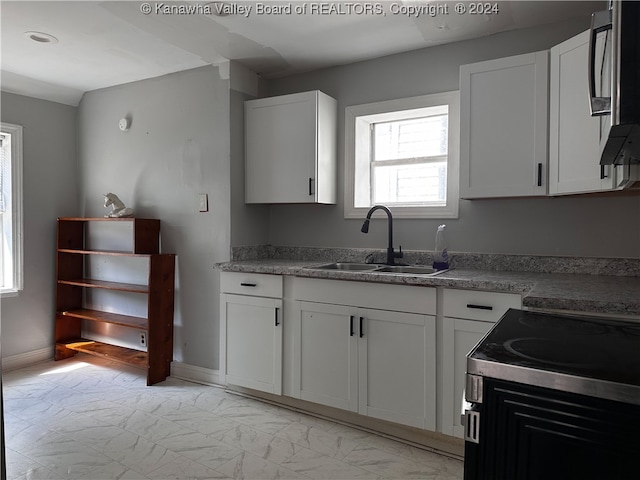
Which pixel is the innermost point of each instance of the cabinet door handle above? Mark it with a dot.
(351, 332)
(276, 310)
(479, 307)
(603, 174)
(311, 192)
(361, 327)
(539, 174)
(243, 284)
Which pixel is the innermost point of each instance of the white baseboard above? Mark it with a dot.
(193, 373)
(26, 359)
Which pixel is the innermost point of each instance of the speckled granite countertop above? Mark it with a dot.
(602, 294)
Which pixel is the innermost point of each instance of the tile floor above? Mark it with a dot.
(86, 418)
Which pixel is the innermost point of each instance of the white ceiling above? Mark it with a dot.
(101, 44)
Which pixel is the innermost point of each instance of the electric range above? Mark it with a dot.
(586, 355)
(553, 397)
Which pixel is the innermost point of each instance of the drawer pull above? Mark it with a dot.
(361, 327)
(243, 284)
(479, 307)
(277, 322)
(351, 332)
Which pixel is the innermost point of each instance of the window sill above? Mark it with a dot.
(7, 293)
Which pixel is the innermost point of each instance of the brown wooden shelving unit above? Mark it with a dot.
(159, 289)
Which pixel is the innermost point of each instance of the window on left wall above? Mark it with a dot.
(11, 281)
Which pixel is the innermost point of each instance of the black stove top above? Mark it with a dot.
(556, 350)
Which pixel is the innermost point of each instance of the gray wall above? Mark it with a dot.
(581, 226)
(177, 147)
(249, 223)
(49, 191)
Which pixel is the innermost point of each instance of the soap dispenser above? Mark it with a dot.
(441, 256)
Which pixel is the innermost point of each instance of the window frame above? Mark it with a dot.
(16, 220)
(358, 139)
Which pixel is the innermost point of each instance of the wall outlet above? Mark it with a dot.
(143, 339)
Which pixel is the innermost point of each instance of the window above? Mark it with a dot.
(10, 209)
(403, 154)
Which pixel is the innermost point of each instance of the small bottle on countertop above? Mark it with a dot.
(441, 256)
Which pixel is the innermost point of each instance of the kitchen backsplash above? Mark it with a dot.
(628, 267)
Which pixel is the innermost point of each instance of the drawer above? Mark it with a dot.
(478, 305)
(380, 296)
(255, 284)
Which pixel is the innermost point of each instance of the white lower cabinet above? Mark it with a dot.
(325, 355)
(379, 363)
(397, 367)
(468, 316)
(368, 348)
(460, 337)
(251, 332)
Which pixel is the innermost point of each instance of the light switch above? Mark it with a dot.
(203, 202)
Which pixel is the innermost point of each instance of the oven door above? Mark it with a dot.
(532, 433)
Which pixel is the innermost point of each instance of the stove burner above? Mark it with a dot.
(583, 327)
(554, 352)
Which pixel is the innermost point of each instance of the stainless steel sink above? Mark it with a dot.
(409, 269)
(351, 266)
(373, 268)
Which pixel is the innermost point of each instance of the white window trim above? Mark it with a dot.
(355, 123)
(17, 215)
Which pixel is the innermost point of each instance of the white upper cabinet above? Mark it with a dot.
(504, 127)
(290, 149)
(574, 135)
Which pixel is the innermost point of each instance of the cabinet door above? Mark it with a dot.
(503, 127)
(397, 367)
(251, 342)
(459, 337)
(574, 135)
(325, 354)
(281, 149)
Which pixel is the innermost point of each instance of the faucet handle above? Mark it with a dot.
(399, 253)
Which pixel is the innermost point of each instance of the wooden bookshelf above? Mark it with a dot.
(71, 281)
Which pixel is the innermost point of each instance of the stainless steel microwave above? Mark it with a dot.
(614, 81)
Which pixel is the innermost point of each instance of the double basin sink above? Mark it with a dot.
(376, 268)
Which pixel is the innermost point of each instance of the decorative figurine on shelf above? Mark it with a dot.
(118, 208)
